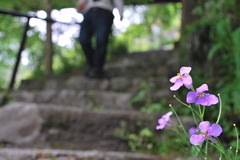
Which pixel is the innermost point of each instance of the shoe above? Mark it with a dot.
(94, 74)
(87, 72)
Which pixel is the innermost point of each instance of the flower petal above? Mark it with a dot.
(191, 97)
(192, 131)
(164, 120)
(215, 130)
(176, 86)
(213, 140)
(197, 139)
(168, 114)
(211, 99)
(185, 70)
(187, 79)
(174, 79)
(161, 126)
(202, 88)
(188, 86)
(204, 126)
(202, 100)
(161, 120)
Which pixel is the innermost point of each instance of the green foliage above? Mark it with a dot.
(34, 5)
(167, 14)
(147, 141)
(66, 59)
(213, 45)
(137, 1)
(9, 46)
(225, 47)
(144, 100)
(117, 47)
(21, 5)
(11, 32)
(213, 42)
(144, 142)
(166, 18)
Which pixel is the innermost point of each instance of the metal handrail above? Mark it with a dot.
(30, 15)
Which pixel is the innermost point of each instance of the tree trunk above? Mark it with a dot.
(48, 44)
(187, 13)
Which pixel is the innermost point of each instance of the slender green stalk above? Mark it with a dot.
(180, 122)
(189, 106)
(206, 150)
(194, 117)
(180, 101)
(220, 109)
(200, 152)
(181, 125)
(220, 148)
(231, 152)
(203, 112)
(222, 151)
(200, 112)
(193, 110)
(236, 154)
(193, 89)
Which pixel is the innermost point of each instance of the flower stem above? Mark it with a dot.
(200, 113)
(180, 122)
(203, 112)
(206, 151)
(220, 147)
(220, 109)
(180, 101)
(194, 117)
(231, 152)
(236, 154)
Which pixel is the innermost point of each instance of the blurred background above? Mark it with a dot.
(203, 34)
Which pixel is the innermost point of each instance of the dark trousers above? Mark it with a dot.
(96, 22)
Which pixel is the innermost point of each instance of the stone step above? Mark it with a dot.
(154, 62)
(79, 82)
(89, 99)
(57, 154)
(145, 59)
(92, 99)
(142, 71)
(53, 126)
(30, 125)
(125, 73)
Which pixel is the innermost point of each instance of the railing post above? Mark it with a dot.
(15, 69)
(19, 54)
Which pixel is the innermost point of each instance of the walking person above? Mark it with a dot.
(98, 21)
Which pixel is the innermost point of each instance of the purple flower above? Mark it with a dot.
(164, 120)
(182, 78)
(208, 131)
(193, 130)
(202, 98)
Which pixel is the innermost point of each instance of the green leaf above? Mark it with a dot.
(214, 49)
(195, 150)
(146, 132)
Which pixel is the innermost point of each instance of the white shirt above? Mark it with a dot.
(104, 4)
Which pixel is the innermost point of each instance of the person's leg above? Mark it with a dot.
(86, 32)
(103, 26)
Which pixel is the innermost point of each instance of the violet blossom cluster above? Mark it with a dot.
(204, 130)
(198, 97)
(182, 78)
(164, 121)
(207, 131)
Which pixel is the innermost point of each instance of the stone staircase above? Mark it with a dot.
(70, 117)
